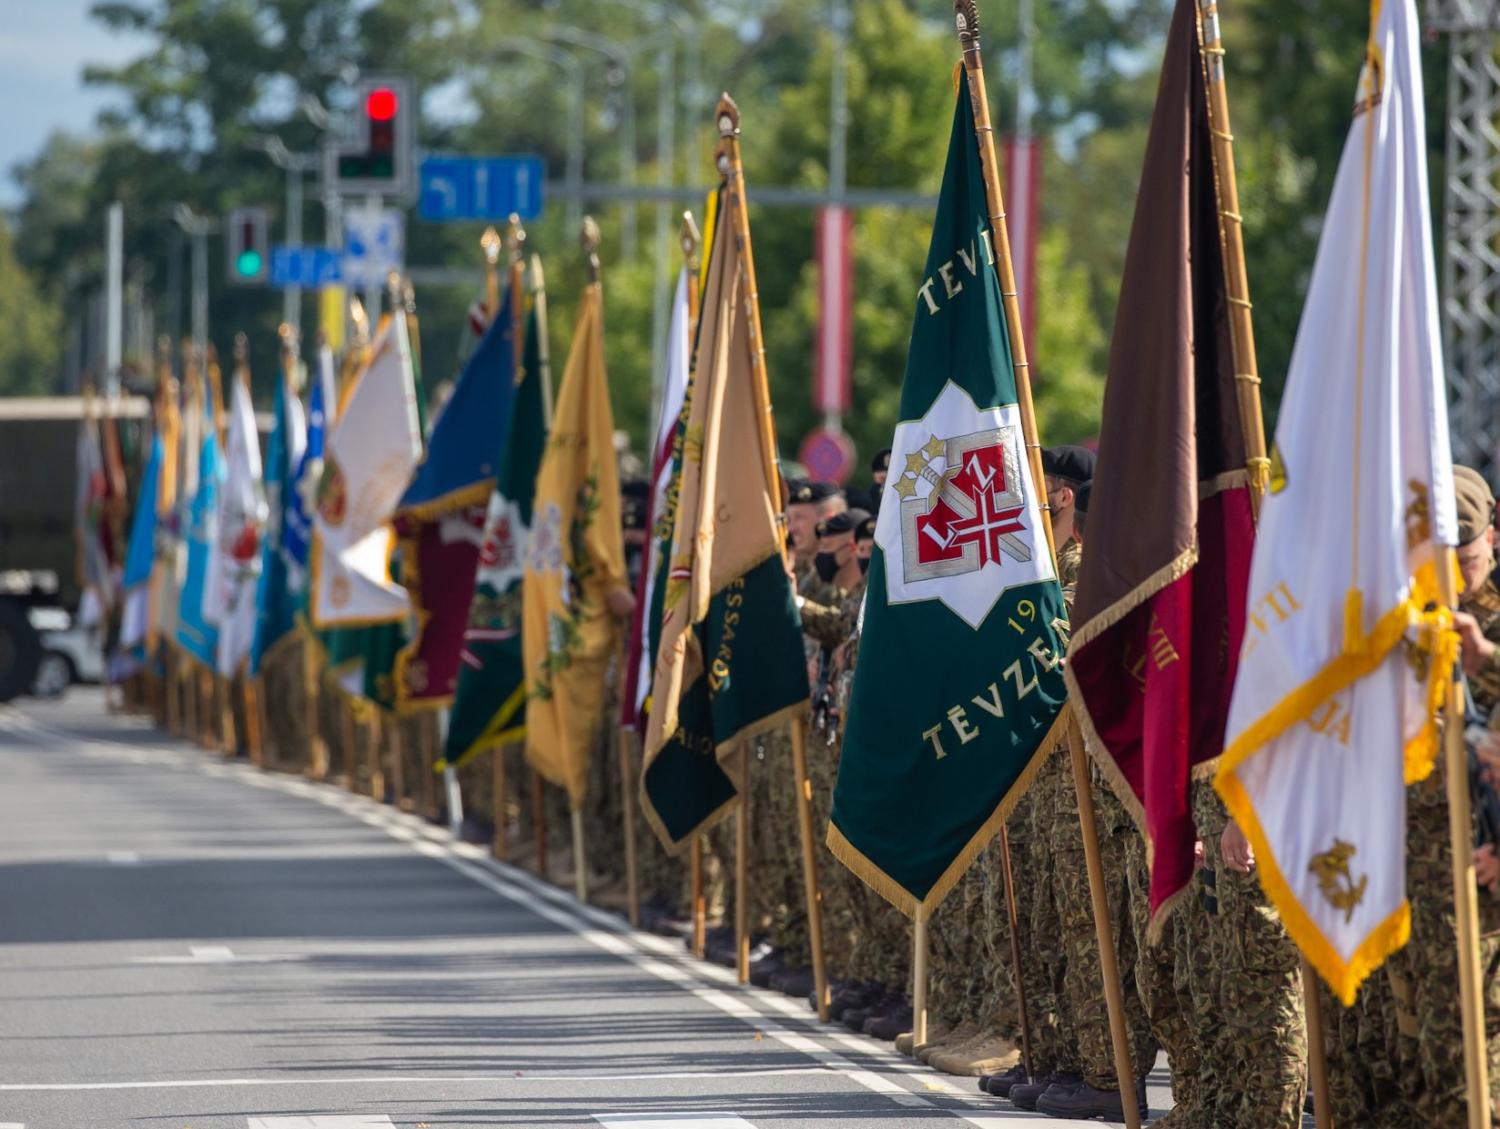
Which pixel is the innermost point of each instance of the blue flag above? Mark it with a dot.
(275, 594)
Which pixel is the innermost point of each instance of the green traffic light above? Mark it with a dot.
(248, 263)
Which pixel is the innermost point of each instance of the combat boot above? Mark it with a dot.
(986, 1055)
(1024, 1095)
(1085, 1102)
(998, 1085)
(892, 1024)
(850, 997)
(955, 1057)
(793, 981)
(960, 1034)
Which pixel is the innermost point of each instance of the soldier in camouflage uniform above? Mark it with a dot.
(1254, 1043)
(1050, 835)
(1097, 1092)
(1430, 958)
(828, 625)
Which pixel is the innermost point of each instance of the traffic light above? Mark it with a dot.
(376, 152)
(247, 247)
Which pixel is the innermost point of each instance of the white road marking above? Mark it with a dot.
(11, 1125)
(358, 1121)
(599, 929)
(116, 858)
(220, 954)
(488, 1080)
(671, 1121)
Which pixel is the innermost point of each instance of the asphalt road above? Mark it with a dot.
(191, 944)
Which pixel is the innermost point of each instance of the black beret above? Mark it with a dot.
(845, 522)
(1071, 464)
(881, 461)
(804, 493)
(1081, 497)
(865, 530)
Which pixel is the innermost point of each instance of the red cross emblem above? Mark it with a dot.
(945, 530)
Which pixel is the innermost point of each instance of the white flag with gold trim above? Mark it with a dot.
(367, 462)
(1345, 658)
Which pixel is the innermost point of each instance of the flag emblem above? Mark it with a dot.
(333, 494)
(963, 508)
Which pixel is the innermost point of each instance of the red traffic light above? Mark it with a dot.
(381, 104)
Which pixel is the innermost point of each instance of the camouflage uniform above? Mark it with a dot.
(1254, 1049)
(826, 626)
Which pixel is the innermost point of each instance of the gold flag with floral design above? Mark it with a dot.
(575, 556)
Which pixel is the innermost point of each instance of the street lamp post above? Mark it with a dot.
(199, 228)
(622, 57)
(295, 164)
(549, 53)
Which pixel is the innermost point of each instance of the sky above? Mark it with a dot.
(44, 46)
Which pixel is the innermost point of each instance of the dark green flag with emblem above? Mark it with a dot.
(489, 703)
(958, 692)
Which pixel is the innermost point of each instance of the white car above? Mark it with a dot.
(70, 652)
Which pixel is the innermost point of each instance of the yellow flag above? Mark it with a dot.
(575, 556)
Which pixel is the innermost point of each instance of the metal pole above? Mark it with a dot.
(200, 285)
(838, 137)
(114, 295)
(291, 310)
(373, 289)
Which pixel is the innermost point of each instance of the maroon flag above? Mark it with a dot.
(1160, 608)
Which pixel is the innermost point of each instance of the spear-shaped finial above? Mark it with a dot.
(491, 244)
(966, 16)
(589, 236)
(241, 350)
(393, 290)
(408, 297)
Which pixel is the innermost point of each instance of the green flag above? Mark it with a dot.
(490, 699)
(959, 686)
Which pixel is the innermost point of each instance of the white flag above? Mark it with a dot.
(234, 562)
(369, 458)
(1344, 662)
(674, 391)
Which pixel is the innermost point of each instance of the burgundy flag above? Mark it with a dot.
(1160, 607)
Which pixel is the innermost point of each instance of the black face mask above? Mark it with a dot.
(827, 565)
(864, 565)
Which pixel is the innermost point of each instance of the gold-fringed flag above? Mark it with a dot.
(1347, 653)
(575, 557)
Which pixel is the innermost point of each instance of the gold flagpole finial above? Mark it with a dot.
(241, 350)
(491, 245)
(727, 116)
(589, 236)
(690, 239)
(515, 237)
(393, 290)
(408, 297)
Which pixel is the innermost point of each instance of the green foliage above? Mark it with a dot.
(29, 345)
(221, 73)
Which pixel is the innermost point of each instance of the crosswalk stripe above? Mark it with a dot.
(671, 1121)
(356, 1121)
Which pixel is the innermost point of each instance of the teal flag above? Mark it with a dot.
(195, 634)
(489, 702)
(958, 691)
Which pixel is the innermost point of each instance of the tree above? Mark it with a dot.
(29, 345)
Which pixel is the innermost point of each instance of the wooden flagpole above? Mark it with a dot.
(812, 895)
(1252, 423)
(919, 979)
(498, 785)
(692, 242)
(375, 725)
(732, 169)
(398, 768)
(624, 740)
(539, 821)
(967, 18)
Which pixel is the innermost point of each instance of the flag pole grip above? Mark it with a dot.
(919, 978)
(742, 870)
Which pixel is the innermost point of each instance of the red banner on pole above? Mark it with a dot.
(835, 349)
(1023, 208)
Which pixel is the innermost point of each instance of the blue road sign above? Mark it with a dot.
(481, 188)
(307, 267)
